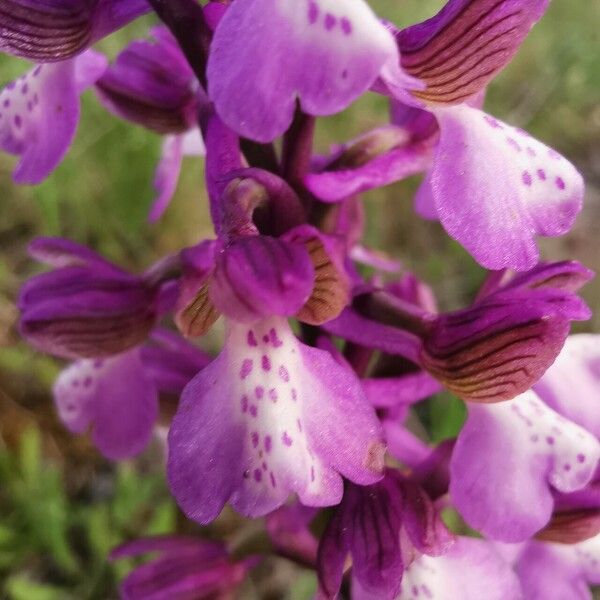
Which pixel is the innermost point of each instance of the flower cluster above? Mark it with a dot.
(310, 411)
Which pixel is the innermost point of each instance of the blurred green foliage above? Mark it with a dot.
(47, 536)
(54, 534)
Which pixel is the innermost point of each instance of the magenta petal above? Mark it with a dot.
(459, 50)
(322, 52)
(40, 113)
(549, 571)
(470, 570)
(262, 422)
(114, 397)
(152, 84)
(506, 461)
(59, 252)
(572, 384)
(485, 170)
(408, 389)
(261, 276)
(395, 165)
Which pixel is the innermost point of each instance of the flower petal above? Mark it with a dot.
(507, 459)
(333, 50)
(54, 30)
(495, 188)
(459, 50)
(470, 570)
(259, 276)
(39, 114)
(114, 397)
(262, 421)
(572, 384)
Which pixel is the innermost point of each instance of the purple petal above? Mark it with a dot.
(470, 570)
(352, 326)
(79, 312)
(571, 386)
(395, 165)
(561, 571)
(330, 293)
(459, 50)
(263, 421)
(55, 30)
(485, 170)
(39, 114)
(171, 544)
(332, 51)
(565, 275)
(112, 396)
(151, 84)
(59, 252)
(171, 362)
(501, 346)
(506, 461)
(260, 276)
(408, 389)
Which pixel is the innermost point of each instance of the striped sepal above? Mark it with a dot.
(459, 50)
(45, 31)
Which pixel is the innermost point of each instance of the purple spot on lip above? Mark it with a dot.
(274, 339)
(37, 70)
(257, 475)
(527, 178)
(268, 443)
(550, 440)
(313, 12)
(75, 383)
(560, 183)
(259, 391)
(273, 479)
(346, 25)
(294, 394)
(514, 144)
(492, 122)
(266, 363)
(6, 103)
(244, 402)
(330, 21)
(24, 89)
(253, 410)
(541, 174)
(266, 339)
(299, 424)
(18, 120)
(98, 363)
(581, 458)
(254, 437)
(251, 339)
(312, 473)
(531, 151)
(246, 368)
(273, 396)
(567, 467)
(284, 374)
(534, 438)
(286, 439)
(87, 381)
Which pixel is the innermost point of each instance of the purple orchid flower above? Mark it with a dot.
(39, 113)
(323, 54)
(507, 460)
(117, 396)
(55, 30)
(498, 169)
(152, 84)
(270, 416)
(492, 351)
(87, 307)
(187, 568)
